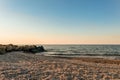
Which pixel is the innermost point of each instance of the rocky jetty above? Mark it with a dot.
(25, 48)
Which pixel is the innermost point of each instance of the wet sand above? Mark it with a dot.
(21, 66)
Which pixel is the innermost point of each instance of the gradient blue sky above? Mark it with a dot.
(60, 21)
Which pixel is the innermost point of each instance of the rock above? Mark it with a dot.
(26, 48)
(2, 51)
(34, 49)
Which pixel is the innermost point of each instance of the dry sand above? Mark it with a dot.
(21, 66)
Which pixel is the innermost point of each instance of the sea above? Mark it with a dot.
(95, 51)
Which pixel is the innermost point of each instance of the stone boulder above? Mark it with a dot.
(24, 48)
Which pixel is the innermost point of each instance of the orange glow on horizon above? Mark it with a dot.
(61, 40)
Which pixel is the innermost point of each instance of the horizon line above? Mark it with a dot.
(63, 44)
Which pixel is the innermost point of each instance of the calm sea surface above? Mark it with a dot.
(110, 51)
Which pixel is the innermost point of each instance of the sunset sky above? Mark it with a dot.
(60, 21)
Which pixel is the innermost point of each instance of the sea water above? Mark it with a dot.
(106, 51)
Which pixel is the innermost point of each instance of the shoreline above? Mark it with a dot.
(93, 60)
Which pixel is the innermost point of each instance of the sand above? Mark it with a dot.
(22, 66)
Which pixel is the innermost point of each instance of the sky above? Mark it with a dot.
(60, 21)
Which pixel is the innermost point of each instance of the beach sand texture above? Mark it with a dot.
(21, 66)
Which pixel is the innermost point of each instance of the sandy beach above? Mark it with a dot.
(59, 39)
(23, 66)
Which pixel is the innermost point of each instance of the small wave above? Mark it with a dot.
(85, 54)
(84, 50)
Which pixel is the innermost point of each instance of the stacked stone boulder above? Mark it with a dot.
(25, 48)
